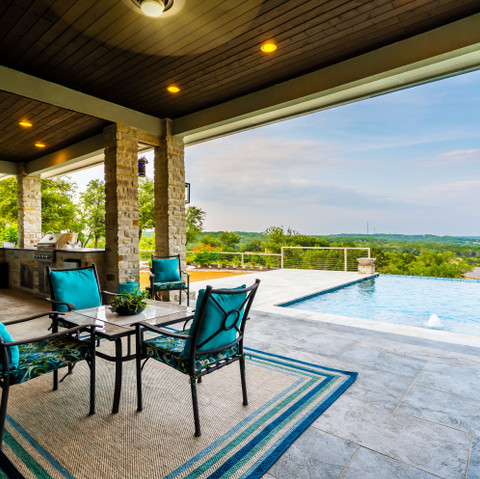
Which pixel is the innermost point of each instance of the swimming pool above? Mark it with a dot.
(404, 300)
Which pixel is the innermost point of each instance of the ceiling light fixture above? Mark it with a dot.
(173, 88)
(268, 47)
(153, 8)
(39, 144)
(25, 123)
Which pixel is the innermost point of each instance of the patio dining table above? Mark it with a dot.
(113, 327)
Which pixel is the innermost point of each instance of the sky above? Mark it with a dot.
(406, 162)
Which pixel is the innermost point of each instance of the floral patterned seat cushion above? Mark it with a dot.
(170, 351)
(168, 285)
(45, 356)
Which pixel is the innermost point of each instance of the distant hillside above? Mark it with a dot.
(371, 238)
(411, 238)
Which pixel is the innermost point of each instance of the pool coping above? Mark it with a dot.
(325, 291)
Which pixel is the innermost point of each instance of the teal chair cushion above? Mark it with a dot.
(169, 285)
(11, 350)
(78, 287)
(42, 357)
(165, 269)
(170, 351)
(214, 318)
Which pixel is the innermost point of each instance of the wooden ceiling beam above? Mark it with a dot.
(81, 155)
(445, 51)
(19, 83)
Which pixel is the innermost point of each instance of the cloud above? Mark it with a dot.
(452, 158)
(461, 197)
(295, 191)
(262, 155)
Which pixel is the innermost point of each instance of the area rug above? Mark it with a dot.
(50, 435)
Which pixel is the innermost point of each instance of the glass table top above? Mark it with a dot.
(154, 313)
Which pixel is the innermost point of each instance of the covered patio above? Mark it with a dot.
(99, 82)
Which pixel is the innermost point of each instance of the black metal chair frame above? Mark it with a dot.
(196, 376)
(5, 373)
(153, 294)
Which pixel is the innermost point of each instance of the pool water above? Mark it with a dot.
(404, 300)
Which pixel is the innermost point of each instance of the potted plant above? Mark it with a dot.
(130, 303)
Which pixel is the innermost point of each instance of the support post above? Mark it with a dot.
(29, 209)
(121, 205)
(170, 228)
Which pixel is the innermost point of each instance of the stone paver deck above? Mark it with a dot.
(413, 412)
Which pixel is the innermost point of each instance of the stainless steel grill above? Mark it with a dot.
(48, 245)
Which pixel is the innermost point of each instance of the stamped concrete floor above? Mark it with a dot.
(413, 412)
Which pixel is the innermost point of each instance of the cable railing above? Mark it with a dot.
(322, 257)
(291, 257)
(243, 259)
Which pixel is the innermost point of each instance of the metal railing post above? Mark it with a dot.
(345, 258)
(281, 265)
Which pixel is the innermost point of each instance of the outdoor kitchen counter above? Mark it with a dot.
(28, 273)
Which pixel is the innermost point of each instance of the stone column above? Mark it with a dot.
(170, 229)
(169, 178)
(29, 209)
(121, 205)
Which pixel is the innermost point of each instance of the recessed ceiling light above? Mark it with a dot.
(25, 123)
(268, 47)
(173, 88)
(39, 144)
(153, 8)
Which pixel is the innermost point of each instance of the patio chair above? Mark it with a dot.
(214, 340)
(27, 359)
(166, 275)
(74, 288)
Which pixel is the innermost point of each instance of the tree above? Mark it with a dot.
(277, 237)
(255, 244)
(59, 211)
(146, 205)
(229, 239)
(195, 218)
(8, 201)
(210, 239)
(93, 204)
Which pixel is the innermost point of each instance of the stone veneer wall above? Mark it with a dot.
(29, 209)
(121, 205)
(170, 229)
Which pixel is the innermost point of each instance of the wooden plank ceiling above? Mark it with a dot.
(52, 126)
(209, 48)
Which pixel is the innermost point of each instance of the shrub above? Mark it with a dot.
(206, 254)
